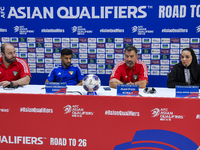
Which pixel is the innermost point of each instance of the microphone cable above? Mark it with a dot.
(134, 80)
(12, 87)
(62, 74)
(133, 75)
(187, 75)
(75, 92)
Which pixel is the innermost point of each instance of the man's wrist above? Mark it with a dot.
(11, 84)
(124, 83)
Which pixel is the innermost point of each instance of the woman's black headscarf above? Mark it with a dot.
(192, 66)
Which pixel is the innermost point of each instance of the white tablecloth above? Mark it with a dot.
(72, 90)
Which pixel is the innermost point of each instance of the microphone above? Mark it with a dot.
(187, 75)
(62, 73)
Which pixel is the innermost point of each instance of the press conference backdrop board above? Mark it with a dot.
(98, 31)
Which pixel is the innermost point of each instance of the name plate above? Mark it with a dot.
(127, 90)
(187, 91)
(56, 87)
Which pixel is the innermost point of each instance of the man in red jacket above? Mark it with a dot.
(14, 71)
(130, 70)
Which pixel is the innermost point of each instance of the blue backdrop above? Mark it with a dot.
(98, 31)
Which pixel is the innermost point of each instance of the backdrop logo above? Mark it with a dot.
(80, 30)
(165, 114)
(141, 30)
(76, 111)
(74, 29)
(134, 29)
(22, 30)
(67, 109)
(155, 112)
(157, 140)
(198, 29)
(16, 28)
(2, 12)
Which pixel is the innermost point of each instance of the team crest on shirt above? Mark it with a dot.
(135, 77)
(71, 72)
(15, 73)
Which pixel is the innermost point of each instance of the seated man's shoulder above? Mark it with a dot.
(140, 62)
(20, 60)
(75, 67)
(120, 63)
(57, 68)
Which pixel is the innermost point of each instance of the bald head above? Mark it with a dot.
(8, 53)
(6, 45)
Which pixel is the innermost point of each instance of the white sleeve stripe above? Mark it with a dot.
(144, 67)
(116, 66)
(25, 66)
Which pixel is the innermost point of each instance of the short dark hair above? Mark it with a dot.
(66, 51)
(130, 48)
(3, 47)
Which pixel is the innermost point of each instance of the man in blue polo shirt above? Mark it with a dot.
(66, 73)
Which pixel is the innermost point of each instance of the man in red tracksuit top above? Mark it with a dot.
(129, 71)
(14, 71)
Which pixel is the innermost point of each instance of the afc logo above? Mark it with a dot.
(156, 112)
(2, 12)
(67, 109)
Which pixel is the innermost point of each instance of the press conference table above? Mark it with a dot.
(31, 119)
(74, 90)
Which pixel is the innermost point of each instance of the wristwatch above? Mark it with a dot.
(11, 84)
